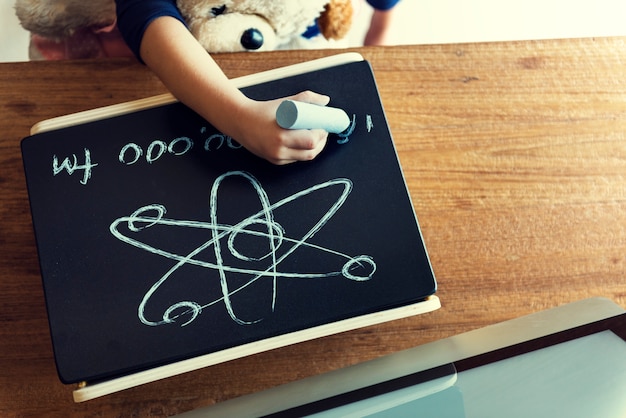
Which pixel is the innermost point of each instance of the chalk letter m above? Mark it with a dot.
(71, 166)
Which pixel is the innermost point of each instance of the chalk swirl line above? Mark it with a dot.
(154, 214)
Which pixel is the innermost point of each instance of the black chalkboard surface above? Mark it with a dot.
(160, 239)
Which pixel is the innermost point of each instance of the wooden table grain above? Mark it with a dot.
(515, 158)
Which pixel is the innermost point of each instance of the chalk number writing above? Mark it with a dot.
(132, 153)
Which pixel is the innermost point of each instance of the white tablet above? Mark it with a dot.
(569, 361)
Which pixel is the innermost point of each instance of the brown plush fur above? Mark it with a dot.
(336, 20)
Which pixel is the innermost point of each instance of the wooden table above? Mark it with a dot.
(515, 157)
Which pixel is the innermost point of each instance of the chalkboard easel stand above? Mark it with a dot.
(414, 297)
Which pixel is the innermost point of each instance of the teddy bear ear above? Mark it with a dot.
(336, 19)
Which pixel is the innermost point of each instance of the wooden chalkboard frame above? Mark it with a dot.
(93, 390)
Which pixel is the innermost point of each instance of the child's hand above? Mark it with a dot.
(193, 77)
(258, 131)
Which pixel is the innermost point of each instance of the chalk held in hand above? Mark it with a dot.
(300, 115)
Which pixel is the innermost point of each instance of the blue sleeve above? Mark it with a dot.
(383, 4)
(134, 16)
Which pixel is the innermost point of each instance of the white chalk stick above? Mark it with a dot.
(299, 115)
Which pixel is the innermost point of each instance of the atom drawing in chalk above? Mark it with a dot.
(223, 245)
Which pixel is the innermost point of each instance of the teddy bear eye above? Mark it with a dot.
(216, 11)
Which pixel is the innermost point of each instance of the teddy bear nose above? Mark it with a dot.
(252, 39)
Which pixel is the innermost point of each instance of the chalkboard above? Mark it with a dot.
(161, 239)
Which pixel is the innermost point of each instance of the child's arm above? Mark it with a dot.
(194, 78)
(381, 23)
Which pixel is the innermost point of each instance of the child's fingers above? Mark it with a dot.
(309, 96)
(306, 139)
(306, 144)
(301, 145)
(284, 146)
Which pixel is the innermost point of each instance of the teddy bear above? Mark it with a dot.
(262, 25)
(86, 29)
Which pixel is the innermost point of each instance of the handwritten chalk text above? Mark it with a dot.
(71, 166)
(133, 153)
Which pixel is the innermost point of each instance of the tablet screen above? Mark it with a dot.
(585, 377)
(575, 373)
